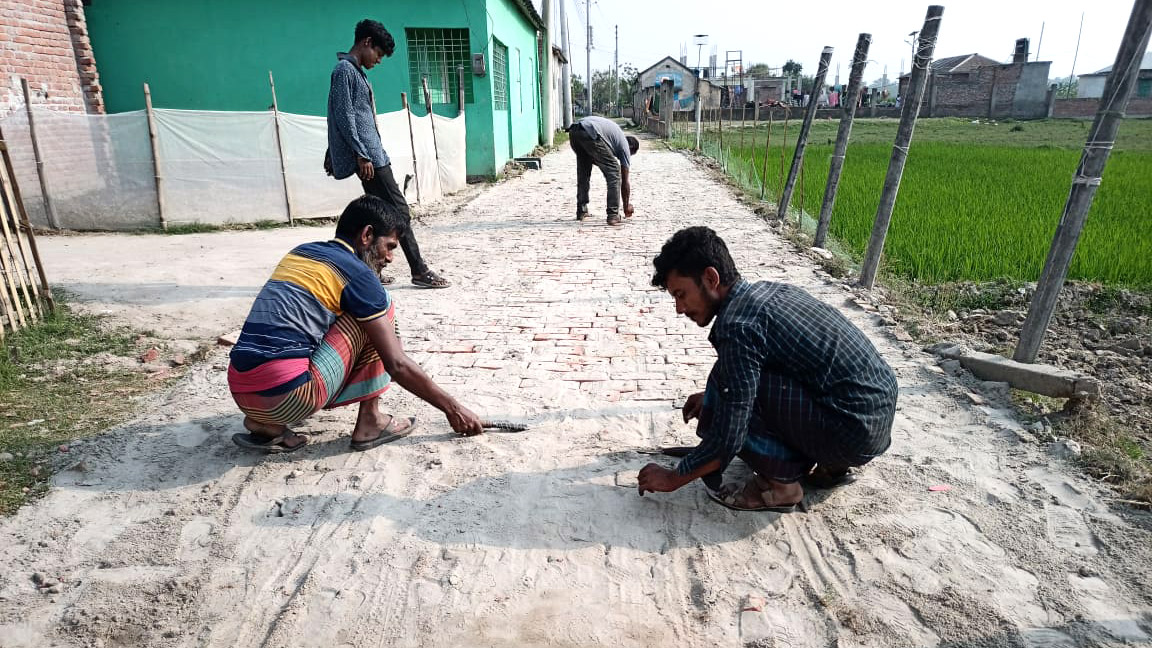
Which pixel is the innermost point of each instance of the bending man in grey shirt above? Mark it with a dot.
(599, 141)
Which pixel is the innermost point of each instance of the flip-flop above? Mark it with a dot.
(727, 495)
(268, 445)
(430, 280)
(827, 481)
(387, 435)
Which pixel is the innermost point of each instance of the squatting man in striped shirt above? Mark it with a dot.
(321, 334)
(798, 392)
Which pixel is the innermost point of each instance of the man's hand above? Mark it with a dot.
(692, 406)
(464, 421)
(365, 171)
(655, 478)
(628, 210)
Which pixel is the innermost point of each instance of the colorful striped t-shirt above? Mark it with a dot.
(314, 284)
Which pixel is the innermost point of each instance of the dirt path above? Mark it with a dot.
(171, 536)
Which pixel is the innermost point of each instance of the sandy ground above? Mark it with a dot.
(166, 534)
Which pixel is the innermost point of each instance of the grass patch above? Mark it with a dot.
(53, 390)
(993, 193)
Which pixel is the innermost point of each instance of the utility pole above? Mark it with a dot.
(566, 74)
(588, 81)
(701, 41)
(1117, 90)
(909, 110)
(616, 94)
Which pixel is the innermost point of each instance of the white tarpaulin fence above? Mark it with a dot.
(215, 167)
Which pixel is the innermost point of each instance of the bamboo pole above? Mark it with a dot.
(49, 208)
(767, 148)
(926, 44)
(280, 149)
(847, 115)
(16, 268)
(24, 259)
(460, 88)
(152, 139)
(11, 295)
(783, 149)
(802, 138)
(1117, 91)
(412, 141)
(26, 224)
(431, 119)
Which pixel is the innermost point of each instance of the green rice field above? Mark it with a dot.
(977, 201)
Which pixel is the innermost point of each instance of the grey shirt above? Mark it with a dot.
(607, 130)
(352, 128)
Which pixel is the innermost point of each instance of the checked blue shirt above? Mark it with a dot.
(776, 328)
(352, 128)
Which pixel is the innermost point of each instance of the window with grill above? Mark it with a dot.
(499, 75)
(437, 53)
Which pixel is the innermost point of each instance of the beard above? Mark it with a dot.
(370, 258)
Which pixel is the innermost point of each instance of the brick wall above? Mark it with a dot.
(1086, 108)
(46, 42)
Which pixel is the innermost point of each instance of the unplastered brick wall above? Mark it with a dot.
(46, 42)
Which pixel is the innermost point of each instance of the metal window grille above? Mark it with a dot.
(499, 75)
(437, 53)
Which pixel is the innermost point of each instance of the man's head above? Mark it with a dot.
(633, 144)
(374, 228)
(695, 268)
(373, 43)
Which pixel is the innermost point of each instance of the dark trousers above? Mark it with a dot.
(383, 185)
(790, 432)
(594, 150)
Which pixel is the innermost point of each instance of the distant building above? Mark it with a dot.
(683, 84)
(977, 86)
(1091, 86)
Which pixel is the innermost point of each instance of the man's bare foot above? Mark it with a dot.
(760, 494)
(369, 427)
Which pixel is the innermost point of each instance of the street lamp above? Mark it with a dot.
(700, 40)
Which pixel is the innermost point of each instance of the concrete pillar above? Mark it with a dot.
(1050, 101)
(666, 114)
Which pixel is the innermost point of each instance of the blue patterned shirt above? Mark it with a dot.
(352, 131)
(778, 328)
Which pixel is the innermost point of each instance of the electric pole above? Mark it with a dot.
(616, 58)
(588, 81)
(566, 73)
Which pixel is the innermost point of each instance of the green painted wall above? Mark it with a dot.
(216, 54)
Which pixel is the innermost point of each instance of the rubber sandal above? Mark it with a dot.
(615, 221)
(387, 280)
(387, 435)
(677, 451)
(828, 480)
(728, 495)
(430, 280)
(268, 445)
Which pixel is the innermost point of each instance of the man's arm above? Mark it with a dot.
(411, 377)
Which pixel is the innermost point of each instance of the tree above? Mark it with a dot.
(792, 68)
(758, 69)
(578, 90)
(1067, 87)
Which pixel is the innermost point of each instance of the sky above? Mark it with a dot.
(799, 30)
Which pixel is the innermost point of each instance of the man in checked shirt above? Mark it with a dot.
(797, 391)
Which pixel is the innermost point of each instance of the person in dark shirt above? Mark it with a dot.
(797, 391)
(354, 142)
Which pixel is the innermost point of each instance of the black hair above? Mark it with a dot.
(384, 218)
(690, 252)
(369, 28)
(633, 144)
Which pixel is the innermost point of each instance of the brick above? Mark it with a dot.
(458, 348)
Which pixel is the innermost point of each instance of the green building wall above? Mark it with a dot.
(216, 55)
